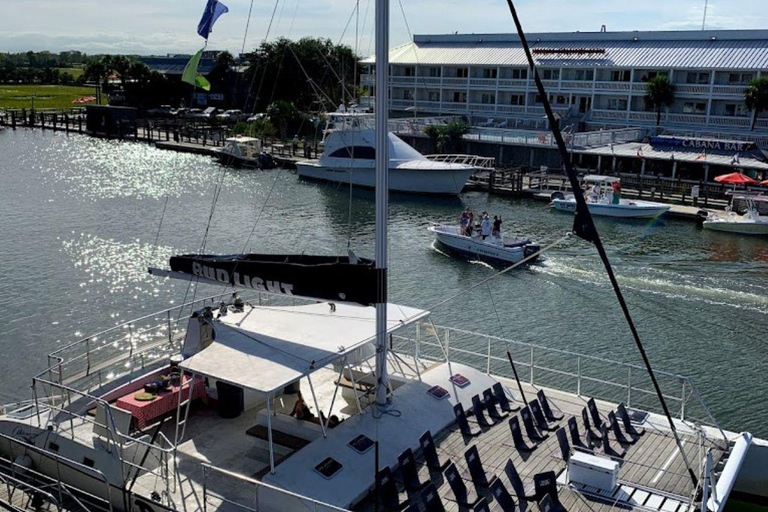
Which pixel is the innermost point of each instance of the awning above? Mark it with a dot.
(268, 348)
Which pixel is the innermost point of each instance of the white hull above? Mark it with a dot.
(423, 181)
(627, 209)
(476, 247)
(742, 227)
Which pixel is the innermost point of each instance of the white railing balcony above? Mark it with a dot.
(401, 103)
(513, 84)
(483, 82)
(700, 119)
(428, 81)
(643, 116)
(729, 90)
(551, 84)
(428, 105)
(402, 80)
(641, 87)
(482, 107)
(576, 84)
(455, 81)
(613, 86)
(742, 122)
(609, 114)
(511, 109)
(454, 106)
(692, 89)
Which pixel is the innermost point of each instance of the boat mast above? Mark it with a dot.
(382, 195)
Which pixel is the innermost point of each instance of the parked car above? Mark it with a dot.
(256, 117)
(232, 115)
(161, 111)
(192, 112)
(208, 113)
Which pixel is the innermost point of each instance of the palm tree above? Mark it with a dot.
(659, 93)
(433, 133)
(756, 98)
(280, 113)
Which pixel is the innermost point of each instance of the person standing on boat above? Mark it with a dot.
(616, 192)
(485, 226)
(464, 221)
(496, 226)
(294, 145)
(471, 223)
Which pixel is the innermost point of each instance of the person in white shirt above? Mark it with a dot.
(485, 226)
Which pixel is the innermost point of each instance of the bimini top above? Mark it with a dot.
(268, 348)
(598, 178)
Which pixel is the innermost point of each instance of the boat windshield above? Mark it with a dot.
(350, 121)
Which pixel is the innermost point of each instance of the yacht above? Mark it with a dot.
(307, 390)
(751, 223)
(349, 157)
(602, 202)
(494, 249)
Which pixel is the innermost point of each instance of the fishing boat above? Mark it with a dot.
(202, 407)
(751, 223)
(349, 157)
(244, 151)
(493, 249)
(602, 201)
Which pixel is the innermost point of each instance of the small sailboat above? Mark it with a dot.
(602, 201)
(349, 156)
(492, 249)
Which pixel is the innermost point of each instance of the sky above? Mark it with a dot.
(169, 26)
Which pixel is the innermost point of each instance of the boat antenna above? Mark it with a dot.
(704, 19)
(584, 227)
(382, 195)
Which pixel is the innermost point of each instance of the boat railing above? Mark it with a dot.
(253, 488)
(483, 162)
(584, 375)
(54, 489)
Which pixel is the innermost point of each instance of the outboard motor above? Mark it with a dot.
(530, 249)
(701, 216)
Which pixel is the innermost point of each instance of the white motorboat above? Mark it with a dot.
(601, 201)
(751, 223)
(246, 152)
(349, 157)
(492, 249)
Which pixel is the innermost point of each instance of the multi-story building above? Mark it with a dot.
(598, 79)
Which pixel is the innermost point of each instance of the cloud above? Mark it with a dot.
(168, 26)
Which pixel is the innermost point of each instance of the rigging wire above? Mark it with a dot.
(159, 227)
(247, 24)
(584, 227)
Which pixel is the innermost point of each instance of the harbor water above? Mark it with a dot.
(83, 218)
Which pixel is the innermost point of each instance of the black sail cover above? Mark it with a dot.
(331, 278)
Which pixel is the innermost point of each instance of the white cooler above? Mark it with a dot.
(593, 471)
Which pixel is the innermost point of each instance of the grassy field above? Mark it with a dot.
(46, 96)
(75, 72)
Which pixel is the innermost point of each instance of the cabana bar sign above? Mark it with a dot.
(702, 144)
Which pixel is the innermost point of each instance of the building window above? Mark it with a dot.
(550, 74)
(617, 104)
(409, 71)
(462, 72)
(653, 74)
(691, 107)
(488, 98)
(490, 72)
(735, 110)
(517, 99)
(739, 78)
(584, 74)
(621, 75)
(407, 94)
(519, 74)
(459, 97)
(435, 72)
(697, 78)
(434, 95)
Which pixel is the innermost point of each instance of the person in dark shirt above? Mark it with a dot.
(496, 225)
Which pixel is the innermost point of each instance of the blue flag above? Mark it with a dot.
(213, 10)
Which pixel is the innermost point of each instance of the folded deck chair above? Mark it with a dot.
(475, 467)
(408, 471)
(623, 415)
(502, 496)
(478, 409)
(526, 492)
(617, 433)
(592, 434)
(490, 405)
(431, 499)
(546, 485)
(482, 506)
(547, 504)
(552, 416)
(594, 414)
(502, 400)
(619, 451)
(459, 492)
(573, 428)
(562, 441)
(461, 420)
(388, 495)
(538, 416)
(517, 436)
(533, 434)
(429, 450)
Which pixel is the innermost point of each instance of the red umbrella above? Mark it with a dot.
(735, 178)
(764, 183)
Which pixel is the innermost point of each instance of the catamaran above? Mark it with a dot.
(265, 401)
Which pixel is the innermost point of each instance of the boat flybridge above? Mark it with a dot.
(601, 201)
(224, 431)
(349, 157)
(751, 223)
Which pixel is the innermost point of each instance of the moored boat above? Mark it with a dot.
(603, 201)
(245, 151)
(751, 223)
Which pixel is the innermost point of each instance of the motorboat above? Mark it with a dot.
(493, 249)
(349, 157)
(245, 151)
(751, 223)
(601, 201)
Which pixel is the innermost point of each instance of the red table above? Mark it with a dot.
(166, 401)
